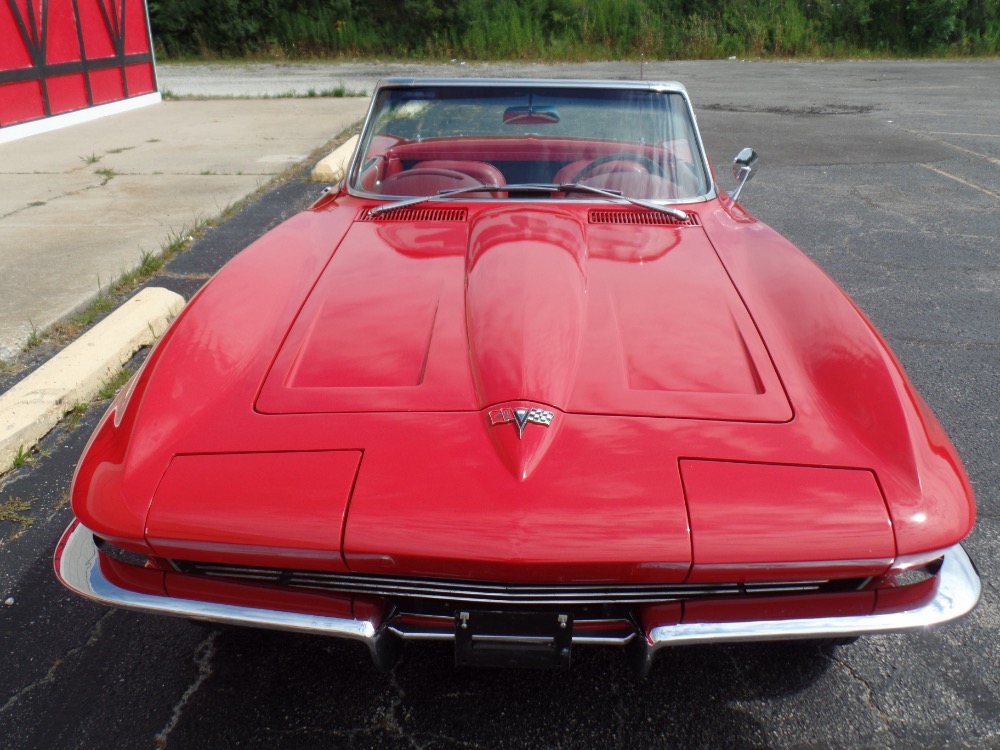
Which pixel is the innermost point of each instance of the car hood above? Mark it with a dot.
(590, 313)
(392, 346)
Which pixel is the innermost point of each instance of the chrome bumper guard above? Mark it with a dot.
(959, 588)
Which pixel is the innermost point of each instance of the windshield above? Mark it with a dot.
(424, 140)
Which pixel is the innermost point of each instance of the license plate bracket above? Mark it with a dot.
(513, 639)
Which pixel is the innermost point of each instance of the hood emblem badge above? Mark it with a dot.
(521, 418)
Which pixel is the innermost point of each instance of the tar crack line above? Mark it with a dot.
(204, 652)
(50, 676)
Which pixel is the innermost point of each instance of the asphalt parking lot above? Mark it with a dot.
(888, 175)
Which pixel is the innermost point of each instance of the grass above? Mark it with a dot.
(115, 383)
(107, 173)
(62, 501)
(92, 159)
(35, 204)
(23, 456)
(120, 150)
(13, 510)
(334, 93)
(34, 338)
(341, 91)
(149, 263)
(76, 415)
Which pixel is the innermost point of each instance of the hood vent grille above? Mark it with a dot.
(650, 218)
(416, 214)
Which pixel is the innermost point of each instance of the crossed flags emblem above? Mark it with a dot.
(521, 417)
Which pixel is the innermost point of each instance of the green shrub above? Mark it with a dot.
(573, 29)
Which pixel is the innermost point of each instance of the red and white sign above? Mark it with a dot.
(72, 56)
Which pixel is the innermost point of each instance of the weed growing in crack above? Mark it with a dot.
(150, 263)
(76, 415)
(23, 457)
(337, 92)
(13, 510)
(62, 501)
(341, 91)
(34, 338)
(10, 367)
(115, 383)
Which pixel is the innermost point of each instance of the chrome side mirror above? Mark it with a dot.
(744, 168)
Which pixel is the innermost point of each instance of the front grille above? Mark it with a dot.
(491, 593)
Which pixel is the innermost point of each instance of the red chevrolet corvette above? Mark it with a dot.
(528, 379)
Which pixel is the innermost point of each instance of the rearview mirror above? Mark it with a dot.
(545, 114)
(744, 168)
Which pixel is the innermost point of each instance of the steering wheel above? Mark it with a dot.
(644, 161)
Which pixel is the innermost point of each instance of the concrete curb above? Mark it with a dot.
(36, 404)
(331, 168)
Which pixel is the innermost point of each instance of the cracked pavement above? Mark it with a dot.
(859, 168)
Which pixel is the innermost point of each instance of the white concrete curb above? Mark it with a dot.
(331, 168)
(36, 404)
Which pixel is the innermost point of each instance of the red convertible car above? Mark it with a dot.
(528, 379)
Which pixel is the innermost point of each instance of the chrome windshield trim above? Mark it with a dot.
(594, 201)
(675, 87)
(671, 87)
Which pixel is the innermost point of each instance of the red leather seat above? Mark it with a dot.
(485, 173)
(571, 170)
(634, 184)
(425, 182)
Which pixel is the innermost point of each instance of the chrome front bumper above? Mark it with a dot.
(958, 590)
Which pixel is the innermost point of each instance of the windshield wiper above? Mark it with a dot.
(577, 187)
(438, 196)
(539, 187)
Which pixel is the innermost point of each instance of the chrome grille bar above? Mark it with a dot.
(491, 593)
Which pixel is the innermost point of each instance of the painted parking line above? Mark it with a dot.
(965, 182)
(969, 135)
(985, 157)
(991, 159)
(953, 113)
